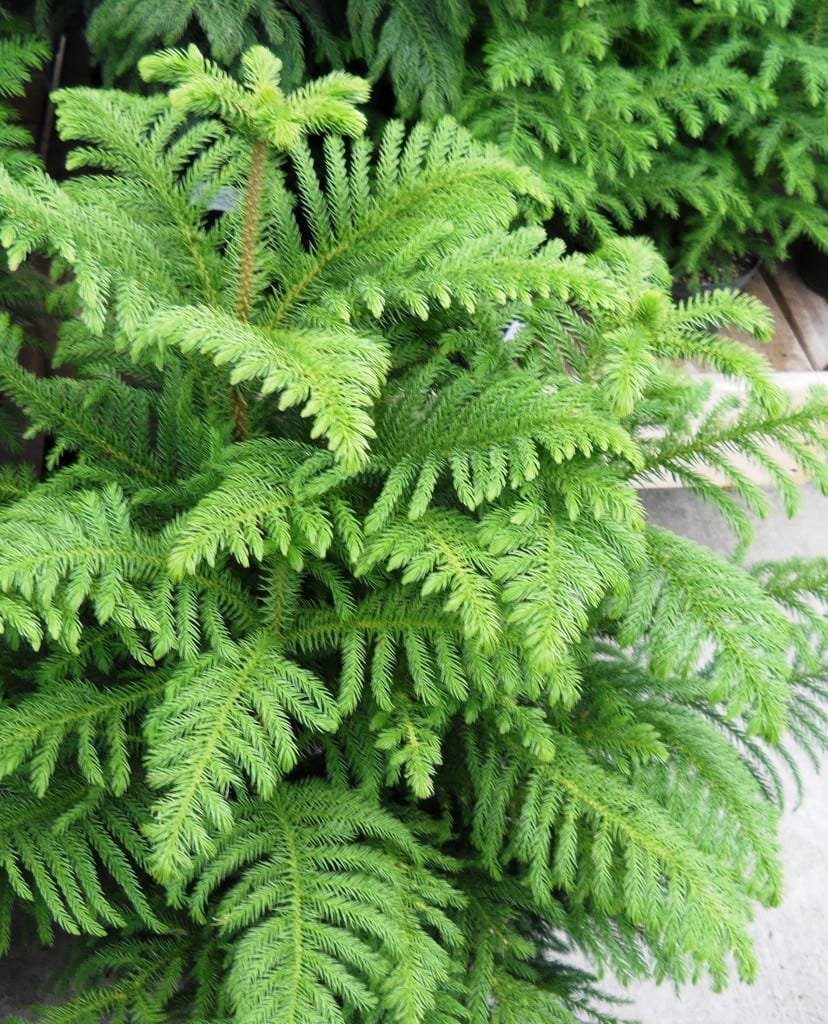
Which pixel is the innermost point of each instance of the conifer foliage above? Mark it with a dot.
(344, 680)
(121, 31)
(20, 55)
(705, 122)
(702, 124)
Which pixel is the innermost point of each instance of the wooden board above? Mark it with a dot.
(784, 352)
(805, 311)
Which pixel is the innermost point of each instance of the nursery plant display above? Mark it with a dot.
(343, 679)
(702, 124)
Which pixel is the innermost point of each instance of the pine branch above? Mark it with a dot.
(750, 636)
(329, 910)
(224, 719)
(57, 852)
(34, 730)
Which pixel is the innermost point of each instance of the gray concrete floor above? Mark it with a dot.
(792, 940)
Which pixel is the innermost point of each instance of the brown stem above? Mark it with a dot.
(247, 265)
(250, 229)
(238, 404)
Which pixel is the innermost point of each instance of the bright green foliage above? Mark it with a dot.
(703, 124)
(221, 716)
(344, 680)
(374, 930)
(54, 853)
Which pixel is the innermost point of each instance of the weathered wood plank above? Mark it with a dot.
(784, 352)
(805, 310)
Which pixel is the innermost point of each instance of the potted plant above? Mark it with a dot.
(344, 678)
